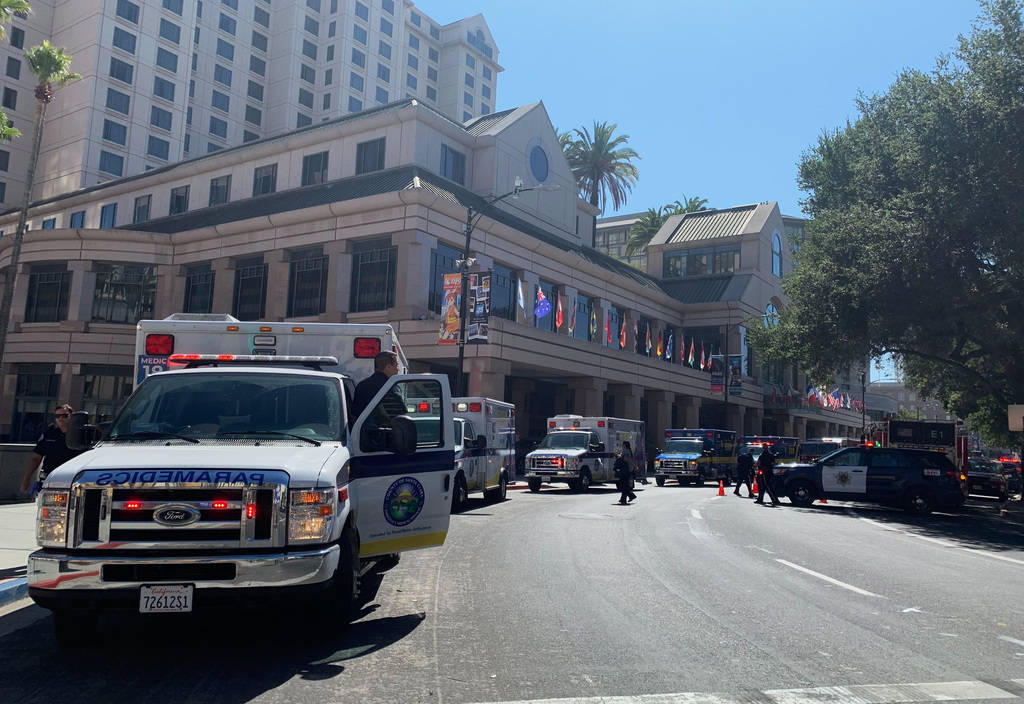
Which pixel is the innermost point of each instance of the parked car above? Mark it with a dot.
(1011, 467)
(987, 478)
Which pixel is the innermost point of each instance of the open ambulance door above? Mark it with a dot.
(400, 471)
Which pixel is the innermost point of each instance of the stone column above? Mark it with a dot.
(412, 290)
(601, 307)
(529, 284)
(170, 290)
(659, 415)
(487, 377)
(754, 419)
(339, 281)
(519, 390)
(688, 410)
(735, 417)
(627, 400)
(278, 274)
(800, 427)
(223, 284)
(20, 297)
(589, 395)
(83, 284)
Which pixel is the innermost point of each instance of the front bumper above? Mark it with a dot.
(58, 579)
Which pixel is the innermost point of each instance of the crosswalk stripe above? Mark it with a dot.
(848, 694)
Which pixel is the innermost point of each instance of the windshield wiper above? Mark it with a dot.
(154, 434)
(272, 432)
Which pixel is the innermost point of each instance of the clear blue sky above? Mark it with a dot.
(719, 97)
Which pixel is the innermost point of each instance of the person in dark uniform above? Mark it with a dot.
(385, 365)
(745, 472)
(51, 450)
(627, 454)
(624, 478)
(766, 465)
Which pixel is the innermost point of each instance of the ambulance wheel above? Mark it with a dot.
(582, 484)
(74, 629)
(660, 481)
(460, 495)
(340, 600)
(498, 493)
(534, 485)
(801, 493)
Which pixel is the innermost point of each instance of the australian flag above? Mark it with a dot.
(543, 306)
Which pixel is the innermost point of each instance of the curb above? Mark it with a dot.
(13, 590)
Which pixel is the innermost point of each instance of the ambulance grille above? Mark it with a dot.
(673, 464)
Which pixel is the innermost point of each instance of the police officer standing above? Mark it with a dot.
(745, 472)
(766, 465)
(51, 451)
(624, 478)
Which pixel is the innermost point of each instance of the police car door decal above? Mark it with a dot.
(845, 478)
(402, 501)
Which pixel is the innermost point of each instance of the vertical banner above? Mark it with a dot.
(451, 291)
(480, 308)
(717, 373)
(735, 374)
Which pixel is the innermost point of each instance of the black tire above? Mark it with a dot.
(388, 561)
(660, 481)
(75, 629)
(499, 493)
(684, 482)
(534, 484)
(801, 493)
(919, 501)
(582, 485)
(460, 494)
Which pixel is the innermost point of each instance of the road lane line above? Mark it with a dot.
(946, 543)
(994, 556)
(1008, 639)
(830, 580)
(696, 514)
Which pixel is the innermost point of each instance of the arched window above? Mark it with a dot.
(771, 316)
(776, 254)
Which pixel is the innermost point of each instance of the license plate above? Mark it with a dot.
(977, 487)
(165, 598)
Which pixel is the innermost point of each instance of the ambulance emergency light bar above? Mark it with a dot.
(574, 426)
(163, 343)
(193, 359)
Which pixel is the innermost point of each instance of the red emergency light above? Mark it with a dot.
(132, 505)
(551, 424)
(219, 505)
(159, 344)
(250, 511)
(183, 357)
(423, 407)
(558, 461)
(365, 347)
(475, 407)
(600, 424)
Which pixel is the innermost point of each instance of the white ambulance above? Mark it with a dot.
(485, 455)
(353, 344)
(580, 451)
(237, 480)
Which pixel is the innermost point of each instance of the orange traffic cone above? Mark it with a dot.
(753, 488)
(721, 488)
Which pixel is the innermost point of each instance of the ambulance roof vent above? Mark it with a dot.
(203, 317)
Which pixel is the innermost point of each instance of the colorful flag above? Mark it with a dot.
(702, 354)
(593, 323)
(668, 347)
(622, 335)
(647, 341)
(660, 349)
(691, 360)
(519, 296)
(572, 320)
(542, 307)
(558, 312)
(608, 326)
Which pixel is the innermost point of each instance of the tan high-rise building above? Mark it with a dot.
(166, 80)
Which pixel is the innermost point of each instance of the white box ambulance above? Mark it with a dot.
(236, 481)
(485, 455)
(353, 344)
(580, 451)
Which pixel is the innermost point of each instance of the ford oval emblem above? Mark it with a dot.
(176, 515)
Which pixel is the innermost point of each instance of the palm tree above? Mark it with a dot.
(601, 164)
(52, 68)
(647, 227)
(8, 9)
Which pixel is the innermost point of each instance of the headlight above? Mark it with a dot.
(310, 515)
(657, 464)
(52, 521)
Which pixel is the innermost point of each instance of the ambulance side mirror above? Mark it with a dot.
(80, 434)
(597, 447)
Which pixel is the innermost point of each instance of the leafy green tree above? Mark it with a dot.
(601, 163)
(916, 245)
(8, 9)
(641, 233)
(52, 68)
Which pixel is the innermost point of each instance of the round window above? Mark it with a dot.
(539, 164)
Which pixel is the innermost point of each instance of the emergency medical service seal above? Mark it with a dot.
(403, 501)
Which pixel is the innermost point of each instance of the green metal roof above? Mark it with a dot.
(707, 289)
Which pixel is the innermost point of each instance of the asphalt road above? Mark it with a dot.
(561, 595)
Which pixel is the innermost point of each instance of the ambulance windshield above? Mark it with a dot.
(687, 445)
(565, 441)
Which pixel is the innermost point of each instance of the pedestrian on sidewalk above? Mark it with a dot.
(623, 478)
(745, 472)
(766, 468)
(51, 450)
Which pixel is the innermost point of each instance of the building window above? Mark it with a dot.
(469, 81)
(314, 168)
(431, 93)
(35, 396)
(503, 297)
(330, 53)
(312, 26)
(581, 325)
(381, 96)
(125, 41)
(222, 74)
(302, 120)
(487, 73)
(116, 100)
(307, 73)
(253, 115)
(48, 288)
(431, 73)
(435, 32)
(255, 90)
(359, 34)
(170, 31)
(374, 265)
(384, 49)
(111, 163)
(220, 101)
(220, 189)
(257, 65)
(442, 261)
(309, 49)
(105, 387)
(128, 11)
(225, 49)
(386, 27)
(163, 89)
(259, 41)
(453, 165)
(307, 283)
(414, 42)
(108, 216)
(370, 156)
(158, 117)
(414, 18)
(412, 61)
(160, 148)
(704, 260)
(264, 180)
(485, 109)
(248, 136)
(485, 91)
(141, 211)
(410, 81)
(261, 16)
(332, 29)
(388, 6)
(227, 24)
(328, 76)
(356, 81)
(5, 159)
(250, 295)
(383, 73)
(120, 70)
(167, 59)
(198, 289)
(50, 224)
(432, 54)
(218, 127)
(113, 132)
(179, 200)
(327, 101)
(362, 11)
(354, 104)
(359, 58)
(124, 292)
(77, 219)
(467, 98)
(776, 254)
(470, 61)
(174, 6)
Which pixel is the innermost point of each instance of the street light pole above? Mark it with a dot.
(863, 408)
(472, 218)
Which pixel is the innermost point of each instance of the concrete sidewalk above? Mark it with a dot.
(17, 540)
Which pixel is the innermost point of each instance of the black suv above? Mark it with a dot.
(917, 480)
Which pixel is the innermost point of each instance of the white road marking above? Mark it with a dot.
(758, 547)
(912, 610)
(1008, 639)
(850, 694)
(994, 556)
(830, 580)
(944, 543)
(696, 514)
